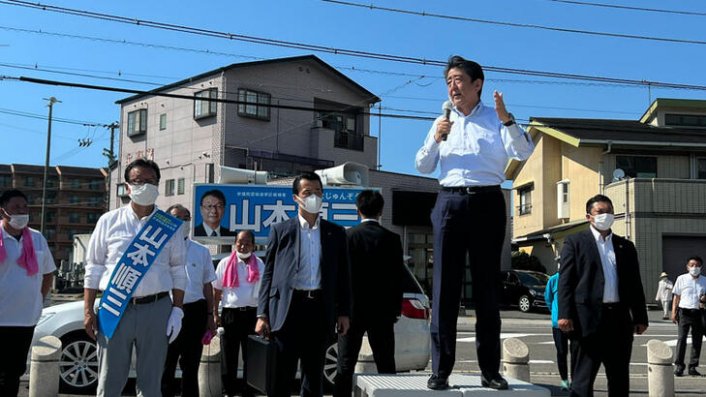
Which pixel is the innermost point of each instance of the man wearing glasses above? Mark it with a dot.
(212, 207)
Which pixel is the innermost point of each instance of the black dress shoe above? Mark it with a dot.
(437, 383)
(679, 371)
(497, 382)
(694, 372)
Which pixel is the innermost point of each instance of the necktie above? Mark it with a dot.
(214, 234)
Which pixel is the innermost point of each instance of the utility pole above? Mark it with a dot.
(110, 153)
(52, 101)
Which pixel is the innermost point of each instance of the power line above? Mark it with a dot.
(518, 25)
(622, 7)
(58, 119)
(336, 51)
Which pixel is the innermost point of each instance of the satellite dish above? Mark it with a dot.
(618, 174)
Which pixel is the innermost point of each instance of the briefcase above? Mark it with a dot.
(260, 364)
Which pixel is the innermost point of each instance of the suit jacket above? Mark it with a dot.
(581, 282)
(376, 271)
(200, 231)
(282, 262)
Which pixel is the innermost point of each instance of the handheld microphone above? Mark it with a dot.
(446, 108)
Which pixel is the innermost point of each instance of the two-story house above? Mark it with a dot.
(653, 169)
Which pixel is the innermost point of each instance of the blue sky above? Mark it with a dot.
(87, 51)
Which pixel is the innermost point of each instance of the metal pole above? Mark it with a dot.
(52, 101)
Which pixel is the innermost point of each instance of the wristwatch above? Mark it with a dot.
(510, 122)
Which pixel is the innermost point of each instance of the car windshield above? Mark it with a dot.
(533, 278)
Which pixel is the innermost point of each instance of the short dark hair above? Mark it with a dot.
(696, 258)
(309, 176)
(7, 195)
(215, 193)
(177, 207)
(599, 198)
(249, 232)
(145, 164)
(370, 203)
(471, 68)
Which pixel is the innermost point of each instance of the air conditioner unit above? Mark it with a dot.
(348, 173)
(241, 175)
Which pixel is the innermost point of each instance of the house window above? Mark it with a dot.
(637, 166)
(50, 216)
(347, 131)
(97, 184)
(137, 122)
(92, 217)
(74, 217)
(180, 186)
(169, 187)
(525, 194)
(74, 199)
(685, 120)
(250, 104)
(5, 180)
(203, 107)
(75, 184)
(162, 121)
(701, 171)
(29, 181)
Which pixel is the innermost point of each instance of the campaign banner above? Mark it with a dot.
(224, 210)
(131, 268)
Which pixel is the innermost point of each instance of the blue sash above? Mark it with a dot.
(131, 268)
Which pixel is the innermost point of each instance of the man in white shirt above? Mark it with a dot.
(687, 311)
(151, 320)
(471, 144)
(198, 314)
(26, 275)
(237, 286)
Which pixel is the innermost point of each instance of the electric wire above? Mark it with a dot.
(632, 8)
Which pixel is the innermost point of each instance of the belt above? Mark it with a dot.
(149, 298)
(471, 189)
(307, 293)
(612, 306)
(690, 311)
(241, 308)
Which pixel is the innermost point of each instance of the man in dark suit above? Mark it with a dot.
(305, 289)
(376, 276)
(212, 207)
(601, 301)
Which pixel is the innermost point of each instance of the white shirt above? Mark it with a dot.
(20, 294)
(112, 236)
(610, 272)
(245, 294)
(476, 151)
(199, 271)
(308, 276)
(689, 290)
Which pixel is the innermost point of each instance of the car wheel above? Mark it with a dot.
(331, 364)
(78, 364)
(524, 303)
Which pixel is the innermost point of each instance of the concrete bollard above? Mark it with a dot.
(44, 367)
(210, 383)
(660, 374)
(516, 359)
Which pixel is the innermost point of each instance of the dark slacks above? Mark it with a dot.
(186, 349)
(237, 324)
(610, 345)
(14, 345)
(381, 336)
(302, 337)
(689, 320)
(561, 343)
(474, 225)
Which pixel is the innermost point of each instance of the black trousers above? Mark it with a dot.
(302, 337)
(689, 319)
(186, 349)
(561, 343)
(610, 345)
(14, 345)
(381, 336)
(474, 225)
(237, 323)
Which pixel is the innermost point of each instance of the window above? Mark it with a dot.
(525, 194)
(50, 216)
(701, 168)
(562, 199)
(345, 127)
(137, 122)
(74, 217)
(29, 181)
(169, 187)
(75, 184)
(162, 121)
(74, 199)
(97, 184)
(92, 217)
(5, 180)
(637, 166)
(250, 104)
(685, 120)
(202, 106)
(121, 190)
(180, 186)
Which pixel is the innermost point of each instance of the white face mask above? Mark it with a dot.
(603, 222)
(186, 229)
(19, 221)
(695, 271)
(311, 204)
(243, 256)
(144, 195)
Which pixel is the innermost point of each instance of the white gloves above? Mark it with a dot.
(174, 323)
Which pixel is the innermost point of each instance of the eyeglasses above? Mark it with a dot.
(140, 182)
(213, 207)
